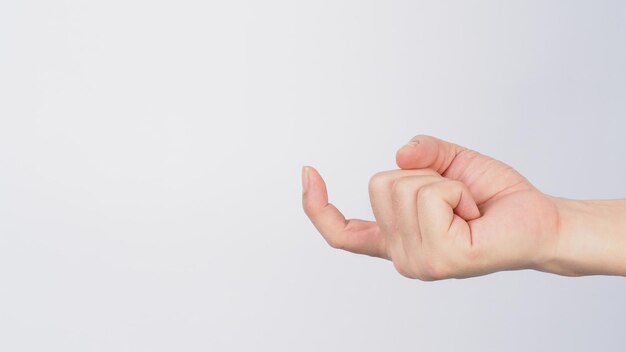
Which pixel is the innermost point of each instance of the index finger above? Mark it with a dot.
(353, 235)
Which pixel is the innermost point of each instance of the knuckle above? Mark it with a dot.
(422, 276)
(334, 242)
(400, 186)
(434, 268)
(403, 269)
(377, 181)
(428, 191)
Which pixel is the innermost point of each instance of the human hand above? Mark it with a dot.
(449, 212)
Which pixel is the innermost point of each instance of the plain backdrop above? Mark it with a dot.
(150, 156)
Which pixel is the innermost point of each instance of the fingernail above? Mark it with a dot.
(305, 179)
(412, 144)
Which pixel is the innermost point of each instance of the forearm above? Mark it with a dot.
(591, 238)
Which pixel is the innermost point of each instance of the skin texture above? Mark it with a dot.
(450, 212)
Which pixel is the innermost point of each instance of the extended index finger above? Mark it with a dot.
(354, 235)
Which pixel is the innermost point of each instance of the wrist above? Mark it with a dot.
(591, 238)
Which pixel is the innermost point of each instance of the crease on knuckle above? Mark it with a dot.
(400, 187)
(428, 191)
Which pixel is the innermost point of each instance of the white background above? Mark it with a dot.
(150, 156)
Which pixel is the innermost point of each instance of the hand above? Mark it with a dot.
(450, 212)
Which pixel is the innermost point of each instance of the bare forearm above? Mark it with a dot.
(592, 238)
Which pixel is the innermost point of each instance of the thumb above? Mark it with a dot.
(427, 152)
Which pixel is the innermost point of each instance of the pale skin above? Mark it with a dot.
(451, 212)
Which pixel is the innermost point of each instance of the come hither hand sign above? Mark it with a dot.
(448, 212)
